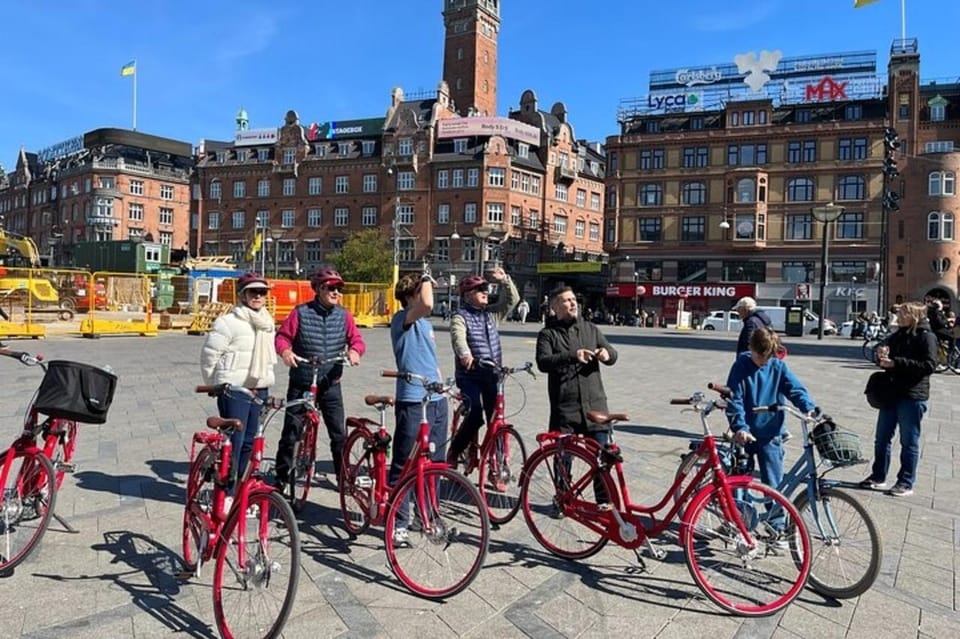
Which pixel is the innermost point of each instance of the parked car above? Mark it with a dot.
(777, 315)
(715, 321)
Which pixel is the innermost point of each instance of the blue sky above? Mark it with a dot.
(199, 61)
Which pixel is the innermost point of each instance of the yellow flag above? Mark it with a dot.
(862, 3)
(129, 68)
(255, 246)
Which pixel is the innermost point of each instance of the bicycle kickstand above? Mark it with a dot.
(63, 522)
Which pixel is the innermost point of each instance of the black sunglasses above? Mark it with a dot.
(333, 289)
(257, 292)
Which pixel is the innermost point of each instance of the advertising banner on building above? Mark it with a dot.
(367, 127)
(468, 127)
(720, 290)
(252, 137)
(61, 149)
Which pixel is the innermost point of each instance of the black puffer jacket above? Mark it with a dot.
(756, 319)
(573, 388)
(914, 358)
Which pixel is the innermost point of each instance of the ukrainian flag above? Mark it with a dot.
(862, 3)
(255, 245)
(129, 68)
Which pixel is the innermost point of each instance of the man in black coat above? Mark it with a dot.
(752, 319)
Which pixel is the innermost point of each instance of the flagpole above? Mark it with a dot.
(135, 94)
(903, 19)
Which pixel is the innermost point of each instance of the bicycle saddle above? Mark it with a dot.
(373, 400)
(222, 423)
(600, 417)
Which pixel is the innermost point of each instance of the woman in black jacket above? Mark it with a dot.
(909, 357)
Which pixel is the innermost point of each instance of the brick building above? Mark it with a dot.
(450, 190)
(712, 181)
(107, 184)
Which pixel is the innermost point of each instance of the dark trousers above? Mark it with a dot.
(240, 407)
(481, 393)
(330, 403)
(562, 473)
(405, 436)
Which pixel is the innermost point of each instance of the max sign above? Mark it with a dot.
(827, 89)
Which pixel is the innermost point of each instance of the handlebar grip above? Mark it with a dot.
(684, 401)
(772, 408)
(393, 374)
(208, 388)
(722, 389)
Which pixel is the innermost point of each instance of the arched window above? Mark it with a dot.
(940, 226)
(800, 189)
(942, 183)
(746, 190)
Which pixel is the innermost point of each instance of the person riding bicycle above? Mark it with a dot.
(415, 351)
(320, 328)
(759, 378)
(473, 331)
(238, 350)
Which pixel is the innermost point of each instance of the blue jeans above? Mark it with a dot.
(240, 407)
(769, 458)
(907, 413)
(405, 436)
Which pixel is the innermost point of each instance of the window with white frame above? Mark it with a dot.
(166, 238)
(404, 214)
(313, 252)
(473, 177)
(458, 178)
(370, 183)
(289, 186)
(166, 216)
(263, 155)
(515, 215)
(239, 189)
(535, 184)
(342, 184)
(288, 218)
(443, 214)
(134, 233)
(288, 251)
(495, 212)
(594, 231)
(560, 224)
(469, 250)
(407, 249)
(241, 155)
(405, 146)
(496, 176)
(344, 148)
(314, 186)
(581, 198)
(441, 248)
(940, 226)
(263, 187)
(560, 191)
(289, 155)
(942, 183)
(314, 218)
(166, 192)
(523, 150)
(525, 182)
(237, 220)
(580, 228)
(136, 188)
(939, 146)
(534, 219)
(263, 218)
(368, 216)
(470, 213)
(237, 251)
(460, 145)
(320, 150)
(406, 180)
(135, 212)
(213, 220)
(515, 180)
(367, 147)
(341, 216)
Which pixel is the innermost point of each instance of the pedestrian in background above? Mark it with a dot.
(523, 309)
(238, 351)
(752, 319)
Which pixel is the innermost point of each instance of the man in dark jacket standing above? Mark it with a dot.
(752, 319)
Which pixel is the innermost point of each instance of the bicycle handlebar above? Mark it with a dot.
(317, 361)
(507, 370)
(25, 358)
(722, 389)
(410, 378)
(216, 390)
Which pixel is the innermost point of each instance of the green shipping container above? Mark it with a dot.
(121, 256)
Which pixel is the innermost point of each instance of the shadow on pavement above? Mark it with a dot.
(154, 562)
(138, 486)
(174, 472)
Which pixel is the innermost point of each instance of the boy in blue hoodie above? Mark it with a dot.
(759, 378)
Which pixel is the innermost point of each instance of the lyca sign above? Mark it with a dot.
(674, 102)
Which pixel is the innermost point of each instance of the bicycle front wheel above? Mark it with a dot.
(356, 485)
(447, 536)
(557, 484)
(750, 578)
(500, 467)
(304, 462)
(252, 597)
(29, 495)
(845, 541)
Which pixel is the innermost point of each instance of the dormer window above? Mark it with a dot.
(938, 109)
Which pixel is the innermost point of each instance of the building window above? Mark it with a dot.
(263, 155)
(903, 106)
(560, 191)
(368, 216)
(136, 188)
(314, 186)
(289, 186)
(213, 220)
(135, 234)
(460, 145)
(166, 192)
(846, 271)
(406, 180)
(594, 201)
(405, 146)
(166, 216)
(653, 126)
(691, 271)
(443, 179)
(344, 148)
(313, 252)
(525, 182)
(496, 177)
(693, 228)
(239, 189)
(850, 226)
(735, 118)
(809, 150)
(560, 224)
(341, 216)
(473, 177)
(523, 150)
(580, 228)
(458, 178)
(342, 184)
(166, 238)
(938, 112)
(515, 215)
(263, 188)
(320, 150)
(744, 271)
(495, 213)
(289, 155)
(651, 159)
(407, 249)
(441, 248)
(314, 218)
(798, 227)
(288, 218)
(370, 183)
(649, 229)
(594, 231)
(853, 112)
(515, 180)
(852, 149)
(443, 214)
(940, 226)
(694, 193)
(696, 123)
(746, 191)
(404, 214)
(800, 189)
(263, 219)
(533, 219)
(850, 187)
(135, 212)
(797, 272)
(942, 183)
(747, 154)
(581, 198)
(241, 155)
(744, 226)
(367, 147)
(470, 213)
(237, 219)
(651, 195)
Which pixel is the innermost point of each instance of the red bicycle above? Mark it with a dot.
(748, 564)
(31, 475)
(501, 456)
(449, 530)
(252, 536)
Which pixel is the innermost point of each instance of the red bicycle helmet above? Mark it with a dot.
(326, 276)
(251, 280)
(472, 282)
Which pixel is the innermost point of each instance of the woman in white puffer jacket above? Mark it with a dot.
(239, 351)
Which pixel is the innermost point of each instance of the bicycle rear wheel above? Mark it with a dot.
(356, 485)
(869, 350)
(304, 461)
(253, 599)
(557, 484)
(28, 498)
(500, 467)
(447, 537)
(66, 446)
(846, 556)
(747, 581)
(199, 497)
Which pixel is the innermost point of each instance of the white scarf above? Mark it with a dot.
(264, 356)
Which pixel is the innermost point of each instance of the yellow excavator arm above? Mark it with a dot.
(26, 247)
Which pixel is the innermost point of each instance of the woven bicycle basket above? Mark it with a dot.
(837, 446)
(72, 390)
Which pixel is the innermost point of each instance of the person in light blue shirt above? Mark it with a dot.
(415, 351)
(759, 378)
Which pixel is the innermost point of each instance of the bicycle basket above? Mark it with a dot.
(71, 390)
(835, 445)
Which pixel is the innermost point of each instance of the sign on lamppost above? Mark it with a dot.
(826, 214)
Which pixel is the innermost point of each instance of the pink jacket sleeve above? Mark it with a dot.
(354, 338)
(286, 332)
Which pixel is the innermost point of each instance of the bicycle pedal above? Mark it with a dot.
(65, 467)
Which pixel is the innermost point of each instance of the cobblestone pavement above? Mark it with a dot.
(117, 576)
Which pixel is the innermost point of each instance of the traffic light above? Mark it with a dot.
(891, 201)
(891, 141)
(890, 168)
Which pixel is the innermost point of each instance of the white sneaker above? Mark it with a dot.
(401, 537)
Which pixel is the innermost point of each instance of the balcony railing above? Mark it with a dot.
(565, 173)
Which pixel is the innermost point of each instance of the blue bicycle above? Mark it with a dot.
(845, 541)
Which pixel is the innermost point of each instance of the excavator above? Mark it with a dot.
(15, 283)
(17, 250)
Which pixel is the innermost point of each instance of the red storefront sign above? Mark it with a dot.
(672, 289)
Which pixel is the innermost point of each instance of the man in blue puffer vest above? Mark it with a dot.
(475, 337)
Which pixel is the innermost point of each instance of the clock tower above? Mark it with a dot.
(470, 54)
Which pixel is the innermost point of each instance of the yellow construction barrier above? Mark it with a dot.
(129, 310)
(370, 304)
(27, 298)
(206, 316)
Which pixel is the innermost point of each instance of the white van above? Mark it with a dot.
(811, 322)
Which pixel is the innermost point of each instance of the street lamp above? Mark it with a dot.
(636, 292)
(275, 235)
(826, 214)
(482, 233)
